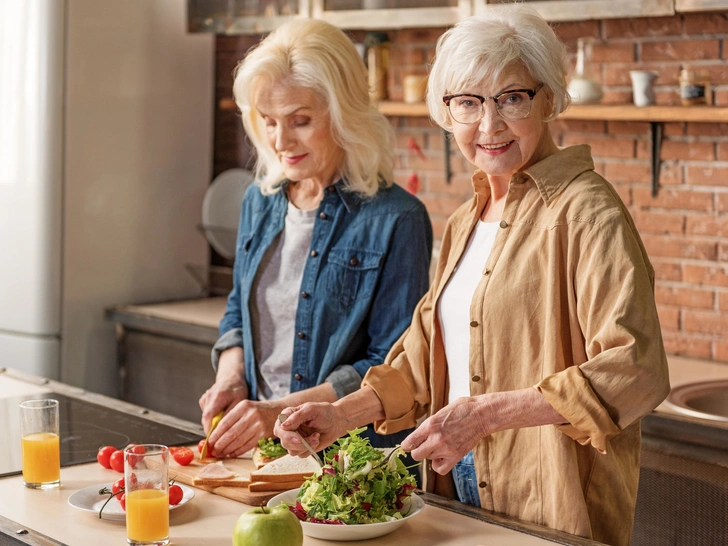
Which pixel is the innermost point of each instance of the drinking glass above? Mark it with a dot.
(146, 479)
(40, 444)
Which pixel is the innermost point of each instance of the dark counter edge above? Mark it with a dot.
(9, 529)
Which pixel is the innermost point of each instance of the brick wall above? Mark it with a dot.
(684, 228)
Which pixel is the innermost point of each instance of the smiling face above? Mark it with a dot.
(499, 147)
(298, 129)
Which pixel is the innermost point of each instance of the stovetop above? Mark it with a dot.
(84, 428)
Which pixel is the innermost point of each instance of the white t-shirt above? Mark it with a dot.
(454, 307)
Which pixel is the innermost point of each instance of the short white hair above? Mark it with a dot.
(481, 47)
(319, 56)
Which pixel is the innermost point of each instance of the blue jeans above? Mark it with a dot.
(466, 483)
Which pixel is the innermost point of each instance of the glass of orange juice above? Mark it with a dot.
(146, 475)
(40, 444)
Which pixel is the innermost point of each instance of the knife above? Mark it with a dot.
(282, 417)
(215, 421)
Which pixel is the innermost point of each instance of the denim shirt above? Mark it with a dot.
(367, 268)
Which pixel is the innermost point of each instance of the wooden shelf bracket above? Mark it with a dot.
(655, 161)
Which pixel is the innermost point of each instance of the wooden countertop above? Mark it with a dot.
(208, 519)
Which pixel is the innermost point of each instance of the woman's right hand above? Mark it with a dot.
(229, 387)
(320, 423)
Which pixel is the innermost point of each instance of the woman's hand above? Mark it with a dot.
(318, 422)
(241, 427)
(447, 436)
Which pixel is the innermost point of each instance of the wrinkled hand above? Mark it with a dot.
(242, 427)
(222, 396)
(447, 436)
(318, 422)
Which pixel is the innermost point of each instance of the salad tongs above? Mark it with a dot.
(282, 417)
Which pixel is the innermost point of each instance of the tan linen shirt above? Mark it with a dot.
(566, 305)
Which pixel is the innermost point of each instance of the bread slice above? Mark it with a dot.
(261, 460)
(285, 469)
(255, 487)
(216, 475)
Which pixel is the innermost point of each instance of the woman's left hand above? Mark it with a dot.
(242, 427)
(447, 436)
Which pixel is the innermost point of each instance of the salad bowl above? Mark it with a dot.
(345, 533)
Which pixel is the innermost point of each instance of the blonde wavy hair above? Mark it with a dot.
(481, 47)
(316, 55)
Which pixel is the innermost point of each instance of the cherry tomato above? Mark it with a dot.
(210, 451)
(175, 494)
(136, 450)
(182, 455)
(116, 460)
(122, 501)
(118, 486)
(103, 455)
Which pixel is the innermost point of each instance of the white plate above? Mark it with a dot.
(348, 532)
(221, 209)
(89, 500)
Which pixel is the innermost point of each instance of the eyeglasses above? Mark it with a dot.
(511, 105)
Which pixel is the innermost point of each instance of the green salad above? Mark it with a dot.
(270, 448)
(354, 486)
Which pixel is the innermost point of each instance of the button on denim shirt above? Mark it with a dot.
(367, 268)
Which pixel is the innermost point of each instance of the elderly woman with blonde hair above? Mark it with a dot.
(537, 349)
(331, 258)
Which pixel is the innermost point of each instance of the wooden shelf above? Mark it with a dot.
(699, 114)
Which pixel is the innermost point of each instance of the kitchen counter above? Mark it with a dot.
(208, 519)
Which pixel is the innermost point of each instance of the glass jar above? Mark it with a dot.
(694, 87)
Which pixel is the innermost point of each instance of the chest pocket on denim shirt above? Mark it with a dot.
(352, 274)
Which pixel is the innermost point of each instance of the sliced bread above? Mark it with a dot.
(256, 487)
(285, 469)
(261, 460)
(216, 475)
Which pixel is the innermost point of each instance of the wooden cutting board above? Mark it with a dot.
(186, 475)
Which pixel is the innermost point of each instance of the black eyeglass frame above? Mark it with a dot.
(530, 92)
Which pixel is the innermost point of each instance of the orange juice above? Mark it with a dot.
(41, 458)
(147, 515)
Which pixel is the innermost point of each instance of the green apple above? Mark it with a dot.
(263, 526)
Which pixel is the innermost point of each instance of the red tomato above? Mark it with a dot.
(103, 455)
(118, 486)
(122, 501)
(116, 461)
(136, 450)
(210, 451)
(175, 494)
(182, 455)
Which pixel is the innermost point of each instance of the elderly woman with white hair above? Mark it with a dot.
(332, 257)
(537, 349)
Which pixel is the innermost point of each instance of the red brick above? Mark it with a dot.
(717, 73)
(667, 270)
(706, 176)
(723, 251)
(604, 146)
(625, 193)
(460, 185)
(687, 345)
(720, 351)
(667, 246)
(684, 297)
(667, 98)
(581, 126)
(574, 30)
(441, 205)
(438, 226)
(707, 129)
(417, 35)
(722, 151)
(658, 222)
(703, 224)
(706, 23)
(680, 50)
(669, 317)
(616, 97)
(720, 97)
(721, 202)
(688, 150)
(623, 171)
(639, 27)
(407, 56)
(628, 128)
(609, 52)
(617, 74)
(674, 199)
(723, 301)
(705, 322)
(713, 275)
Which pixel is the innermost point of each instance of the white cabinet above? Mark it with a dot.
(700, 5)
(579, 10)
(389, 14)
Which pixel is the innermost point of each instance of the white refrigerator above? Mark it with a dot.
(105, 155)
